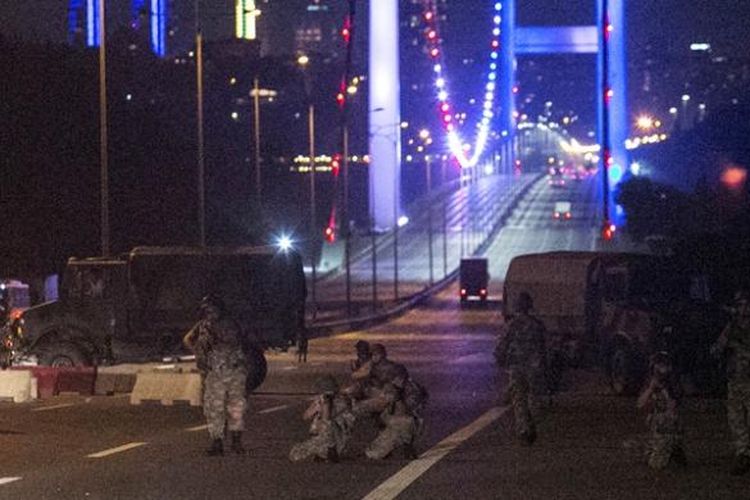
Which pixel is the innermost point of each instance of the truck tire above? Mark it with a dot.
(62, 354)
(257, 368)
(623, 372)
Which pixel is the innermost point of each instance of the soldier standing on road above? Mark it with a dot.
(522, 353)
(662, 397)
(215, 340)
(331, 427)
(735, 342)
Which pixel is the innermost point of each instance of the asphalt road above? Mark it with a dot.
(590, 443)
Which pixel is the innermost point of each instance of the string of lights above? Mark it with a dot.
(466, 154)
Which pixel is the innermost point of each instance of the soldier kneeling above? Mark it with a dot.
(331, 427)
(401, 424)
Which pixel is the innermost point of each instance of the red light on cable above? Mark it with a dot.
(463, 292)
(515, 89)
(445, 107)
(608, 93)
(447, 118)
(608, 231)
(495, 44)
(431, 34)
(428, 16)
(482, 292)
(435, 52)
(330, 234)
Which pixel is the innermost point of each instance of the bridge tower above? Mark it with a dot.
(606, 38)
(84, 22)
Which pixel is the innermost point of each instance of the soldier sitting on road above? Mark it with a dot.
(735, 342)
(522, 352)
(373, 376)
(662, 398)
(401, 425)
(331, 427)
(215, 340)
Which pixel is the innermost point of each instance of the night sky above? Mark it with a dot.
(667, 23)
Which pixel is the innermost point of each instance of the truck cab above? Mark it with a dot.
(137, 306)
(473, 280)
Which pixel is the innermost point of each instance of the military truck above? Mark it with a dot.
(136, 307)
(617, 309)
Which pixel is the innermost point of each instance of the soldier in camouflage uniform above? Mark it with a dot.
(521, 351)
(735, 342)
(331, 427)
(662, 397)
(401, 425)
(215, 340)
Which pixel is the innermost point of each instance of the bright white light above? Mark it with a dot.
(488, 170)
(440, 83)
(700, 47)
(498, 6)
(490, 86)
(493, 55)
(489, 96)
(129, 97)
(496, 31)
(492, 76)
(635, 168)
(437, 68)
(497, 19)
(685, 98)
(487, 105)
(284, 243)
(672, 111)
(488, 114)
(402, 221)
(235, 115)
(442, 95)
(424, 133)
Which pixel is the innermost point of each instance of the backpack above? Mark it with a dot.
(415, 396)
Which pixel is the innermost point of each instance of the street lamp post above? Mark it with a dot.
(199, 113)
(103, 145)
(256, 137)
(303, 61)
(428, 175)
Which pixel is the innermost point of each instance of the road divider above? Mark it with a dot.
(17, 385)
(167, 388)
(109, 383)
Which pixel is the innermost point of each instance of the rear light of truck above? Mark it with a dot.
(463, 292)
(482, 292)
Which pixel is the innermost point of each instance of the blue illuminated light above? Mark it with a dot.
(498, 6)
(496, 31)
(497, 19)
(493, 66)
(437, 68)
(158, 27)
(493, 55)
(92, 23)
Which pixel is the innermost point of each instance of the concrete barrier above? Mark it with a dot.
(167, 388)
(108, 384)
(18, 385)
(52, 380)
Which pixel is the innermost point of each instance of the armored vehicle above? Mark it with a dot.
(136, 307)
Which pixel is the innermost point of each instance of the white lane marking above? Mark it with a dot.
(6, 480)
(273, 409)
(54, 407)
(197, 428)
(294, 367)
(118, 449)
(397, 483)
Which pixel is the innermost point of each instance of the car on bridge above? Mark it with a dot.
(562, 211)
(473, 280)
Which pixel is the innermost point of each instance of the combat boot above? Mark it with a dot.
(216, 448)
(237, 443)
(741, 465)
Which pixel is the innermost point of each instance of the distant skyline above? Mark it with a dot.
(671, 24)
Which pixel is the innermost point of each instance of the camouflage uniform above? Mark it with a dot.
(738, 382)
(219, 355)
(326, 433)
(666, 428)
(400, 426)
(522, 353)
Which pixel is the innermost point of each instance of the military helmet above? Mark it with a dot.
(211, 301)
(362, 346)
(524, 302)
(379, 349)
(662, 360)
(327, 384)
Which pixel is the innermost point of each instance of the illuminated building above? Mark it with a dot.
(245, 16)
